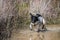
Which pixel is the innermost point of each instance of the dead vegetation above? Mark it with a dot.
(14, 15)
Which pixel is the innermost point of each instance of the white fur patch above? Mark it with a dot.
(44, 22)
(31, 25)
(40, 19)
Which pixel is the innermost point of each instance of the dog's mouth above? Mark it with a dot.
(34, 24)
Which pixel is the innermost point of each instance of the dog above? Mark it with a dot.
(39, 19)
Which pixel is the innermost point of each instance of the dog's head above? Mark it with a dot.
(33, 18)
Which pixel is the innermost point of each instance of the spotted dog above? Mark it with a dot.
(39, 19)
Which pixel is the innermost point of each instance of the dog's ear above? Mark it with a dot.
(30, 13)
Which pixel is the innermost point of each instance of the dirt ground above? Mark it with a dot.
(26, 34)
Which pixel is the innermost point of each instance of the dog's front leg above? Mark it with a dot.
(31, 24)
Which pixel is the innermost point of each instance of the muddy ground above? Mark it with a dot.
(53, 33)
